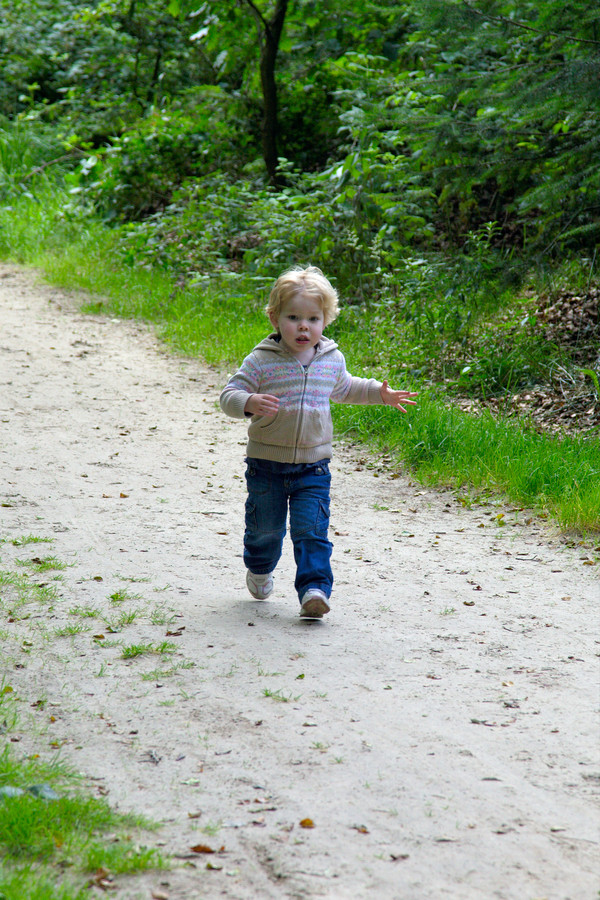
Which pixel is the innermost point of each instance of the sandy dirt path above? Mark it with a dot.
(438, 728)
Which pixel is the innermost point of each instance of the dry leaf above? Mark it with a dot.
(307, 823)
(100, 878)
(201, 848)
(362, 829)
(159, 895)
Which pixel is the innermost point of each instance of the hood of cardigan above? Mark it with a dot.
(273, 343)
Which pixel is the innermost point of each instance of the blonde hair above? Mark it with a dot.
(309, 281)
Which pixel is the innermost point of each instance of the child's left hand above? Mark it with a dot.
(396, 398)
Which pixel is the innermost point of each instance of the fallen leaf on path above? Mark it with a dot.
(212, 867)
(201, 848)
(399, 857)
(362, 829)
(195, 815)
(470, 602)
(160, 895)
(101, 878)
(177, 633)
(307, 823)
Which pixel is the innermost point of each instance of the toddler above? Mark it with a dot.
(284, 386)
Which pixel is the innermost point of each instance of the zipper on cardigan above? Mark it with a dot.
(301, 416)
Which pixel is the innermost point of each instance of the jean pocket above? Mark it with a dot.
(257, 481)
(309, 520)
(322, 523)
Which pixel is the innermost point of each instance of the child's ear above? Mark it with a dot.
(273, 319)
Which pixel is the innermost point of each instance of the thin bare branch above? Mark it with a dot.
(51, 162)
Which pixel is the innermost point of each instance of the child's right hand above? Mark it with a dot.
(262, 405)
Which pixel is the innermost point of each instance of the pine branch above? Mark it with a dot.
(515, 24)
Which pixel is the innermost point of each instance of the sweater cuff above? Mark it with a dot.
(374, 393)
(235, 404)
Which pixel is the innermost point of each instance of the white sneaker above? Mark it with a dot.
(314, 604)
(260, 586)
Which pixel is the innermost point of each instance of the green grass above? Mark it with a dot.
(53, 833)
(280, 696)
(445, 446)
(71, 630)
(44, 564)
(21, 590)
(26, 539)
(134, 650)
(122, 595)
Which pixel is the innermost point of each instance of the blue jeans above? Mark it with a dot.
(304, 487)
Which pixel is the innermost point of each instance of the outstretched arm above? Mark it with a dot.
(396, 398)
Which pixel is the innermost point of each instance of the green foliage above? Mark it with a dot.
(408, 125)
(25, 153)
(96, 67)
(139, 172)
(510, 88)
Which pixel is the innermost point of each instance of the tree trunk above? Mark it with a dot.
(270, 30)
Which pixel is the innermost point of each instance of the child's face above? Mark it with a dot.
(300, 323)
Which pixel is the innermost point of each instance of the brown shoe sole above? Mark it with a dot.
(314, 608)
